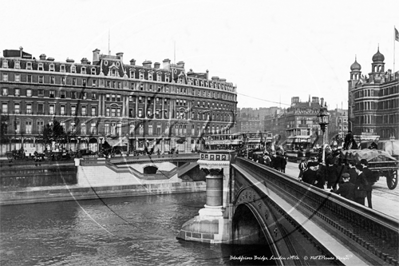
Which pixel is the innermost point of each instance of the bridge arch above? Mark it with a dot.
(253, 222)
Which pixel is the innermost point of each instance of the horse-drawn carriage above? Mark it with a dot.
(380, 162)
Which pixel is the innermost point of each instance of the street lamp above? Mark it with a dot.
(323, 117)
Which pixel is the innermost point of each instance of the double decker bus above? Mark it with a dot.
(254, 140)
(234, 141)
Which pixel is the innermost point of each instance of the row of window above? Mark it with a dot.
(380, 105)
(113, 111)
(373, 119)
(114, 128)
(377, 92)
(132, 74)
(57, 80)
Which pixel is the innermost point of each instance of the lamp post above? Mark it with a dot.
(323, 117)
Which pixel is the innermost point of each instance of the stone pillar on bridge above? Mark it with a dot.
(213, 224)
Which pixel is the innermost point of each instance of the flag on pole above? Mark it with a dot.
(396, 35)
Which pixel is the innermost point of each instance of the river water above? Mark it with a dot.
(120, 231)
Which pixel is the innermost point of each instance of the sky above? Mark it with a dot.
(270, 50)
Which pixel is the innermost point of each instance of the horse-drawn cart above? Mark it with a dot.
(380, 162)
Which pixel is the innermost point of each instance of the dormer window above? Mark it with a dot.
(93, 70)
(29, 65)
(132, 73)
(159, 77)
(83, 70)
(51, 67)
(167, 79)
(62, 68)
(17, 64)
(40, 67)
(149, 76)
(5, 63)
(73, 69)
(141, 76)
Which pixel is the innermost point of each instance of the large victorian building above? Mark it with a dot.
(374, 100)
(109, 101)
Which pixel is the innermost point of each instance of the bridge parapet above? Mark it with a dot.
(369, 235)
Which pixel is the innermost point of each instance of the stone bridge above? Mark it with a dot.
(249, 203)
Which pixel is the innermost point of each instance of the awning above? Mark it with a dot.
(181, 140)
(117, 142)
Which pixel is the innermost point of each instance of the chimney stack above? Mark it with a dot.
(42, 57)
(132, 62)
(147, 64)
(120, 56)
(157, 65)
(96, 56)
(166, 64)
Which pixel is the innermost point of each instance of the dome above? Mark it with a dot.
(355, 66)
(378, 57)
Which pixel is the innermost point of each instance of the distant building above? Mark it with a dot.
(338, 125)
(301, 117)
(253, 119)
(374, 100)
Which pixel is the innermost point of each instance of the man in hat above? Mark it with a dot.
(352, 171)
(346, 189)
(312, 175)
(331, 173)
(370, 181)
(361, 183)
(302, 167)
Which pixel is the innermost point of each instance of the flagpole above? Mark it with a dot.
(394, 40)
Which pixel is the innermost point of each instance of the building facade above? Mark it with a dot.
(108, 101)
(374, 100)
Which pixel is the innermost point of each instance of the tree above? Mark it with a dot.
(3, 129)
(53, 132)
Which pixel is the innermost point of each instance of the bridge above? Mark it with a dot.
(248, 203)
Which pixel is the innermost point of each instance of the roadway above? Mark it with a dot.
(384, 199)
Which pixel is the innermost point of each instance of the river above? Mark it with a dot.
(120, 231)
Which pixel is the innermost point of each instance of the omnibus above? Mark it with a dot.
(232, 141)
(299, 146)
(254, 140)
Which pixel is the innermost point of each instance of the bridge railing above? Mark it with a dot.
(374, 231)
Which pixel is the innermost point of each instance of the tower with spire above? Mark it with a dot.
(372, 100)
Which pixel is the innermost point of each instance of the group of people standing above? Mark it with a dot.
(349, 179)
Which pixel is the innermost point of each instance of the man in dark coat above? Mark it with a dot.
(351, 170)
(346, 189)
(370, 181)
(302, 168)
(361, 184)
(312, 175)
(331, 174)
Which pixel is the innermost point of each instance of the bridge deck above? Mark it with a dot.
(341, 226)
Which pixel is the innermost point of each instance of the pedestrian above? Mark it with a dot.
(267, 159)
(313, 176)
(331, 174)
(361, 183)
(351, 170)
(346, 189)
(283, 162)
(370, 178)
(302, 168)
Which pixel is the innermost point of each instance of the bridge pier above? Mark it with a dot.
(214, 222)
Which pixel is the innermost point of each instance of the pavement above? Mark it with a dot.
(384, 200)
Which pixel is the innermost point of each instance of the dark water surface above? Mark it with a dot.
(121, 231)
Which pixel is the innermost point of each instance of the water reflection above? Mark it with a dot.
(119, 231)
